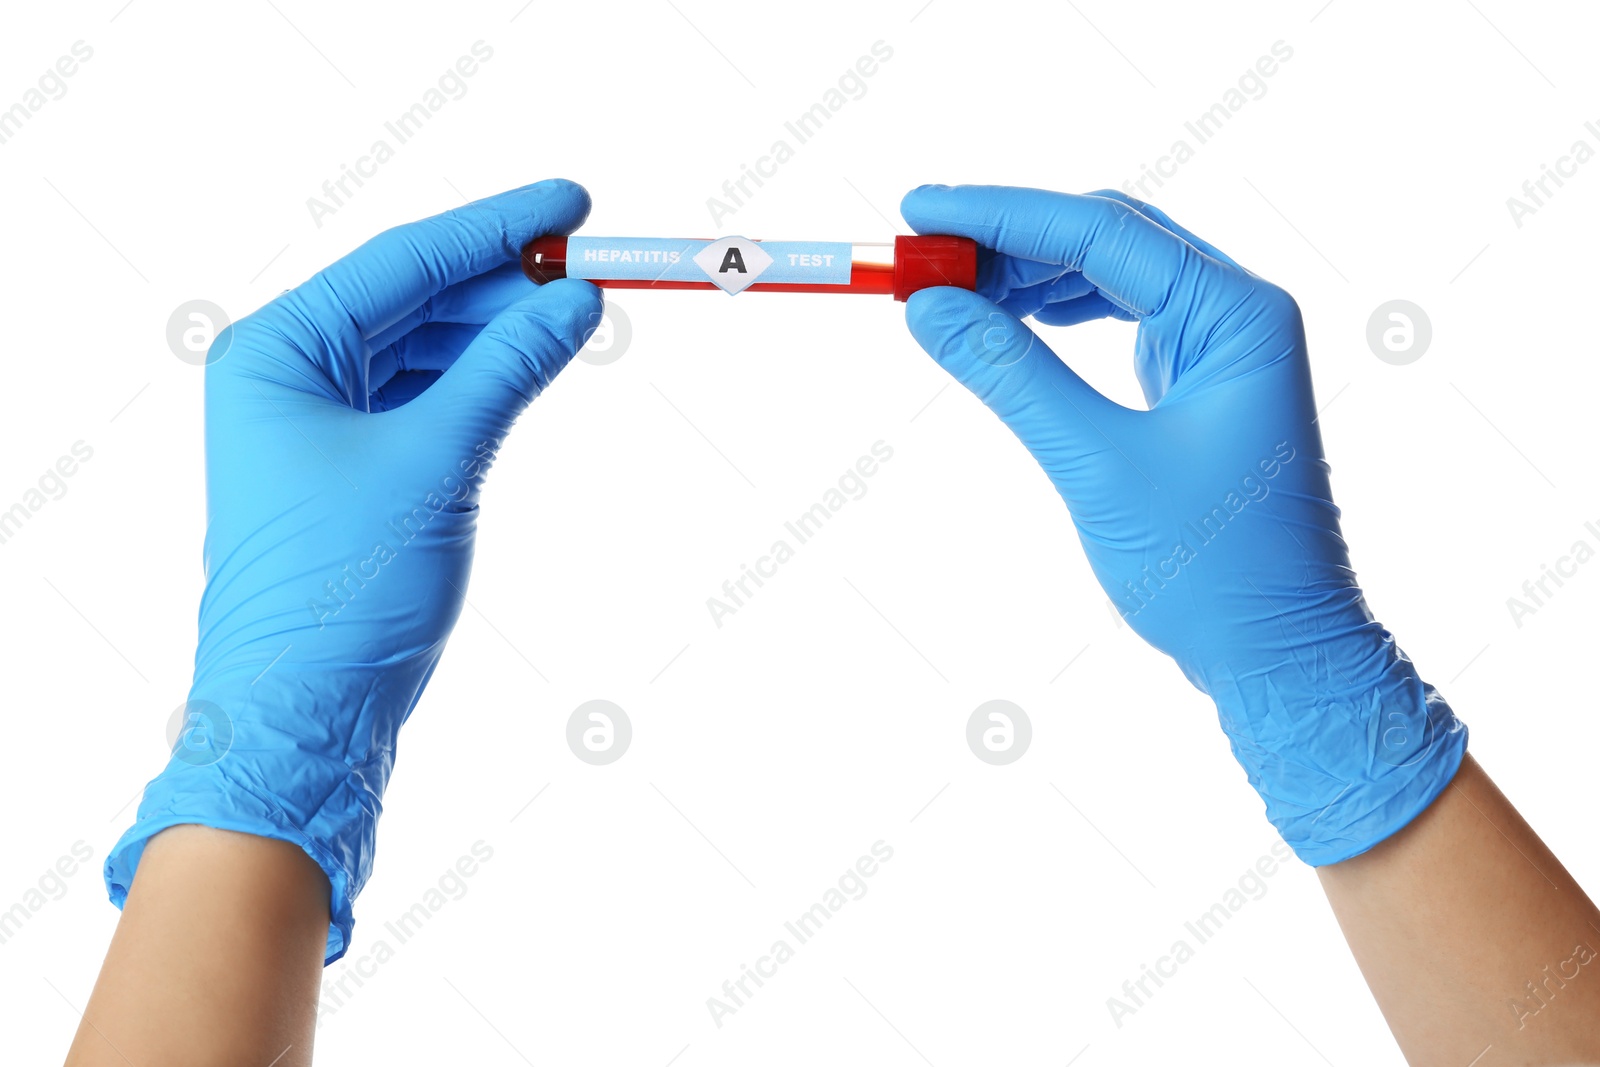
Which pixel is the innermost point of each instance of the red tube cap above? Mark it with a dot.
(925, 261)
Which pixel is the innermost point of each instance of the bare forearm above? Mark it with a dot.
(217, 957)
(1472, 935)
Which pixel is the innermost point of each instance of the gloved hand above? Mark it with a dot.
(1208, 518)
(349, 425)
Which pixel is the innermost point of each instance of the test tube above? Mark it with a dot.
(737, 264)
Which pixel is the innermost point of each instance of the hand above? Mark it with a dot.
(1208, 519)
(349, 425)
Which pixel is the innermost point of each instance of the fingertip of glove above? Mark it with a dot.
(937, 317)
(569, 308)
(559, 187)
(564, 204)
(572, 289)
(943, 306)
(919, 201)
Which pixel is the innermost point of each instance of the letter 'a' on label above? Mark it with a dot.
(732, 264)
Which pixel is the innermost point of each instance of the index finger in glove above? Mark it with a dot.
(1132, 260)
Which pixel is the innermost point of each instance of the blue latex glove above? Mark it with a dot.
(348, 429)
(1208, 518)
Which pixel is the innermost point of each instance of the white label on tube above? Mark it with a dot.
(730, 263)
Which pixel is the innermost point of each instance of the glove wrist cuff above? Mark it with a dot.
(1343, 767)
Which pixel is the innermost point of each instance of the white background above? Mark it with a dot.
(830, 712)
